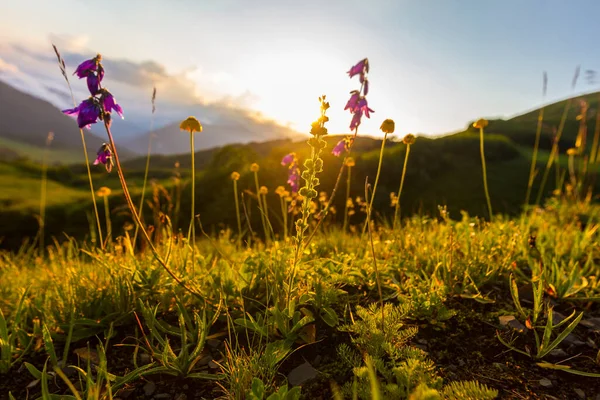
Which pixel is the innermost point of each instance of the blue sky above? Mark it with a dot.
(435, 64)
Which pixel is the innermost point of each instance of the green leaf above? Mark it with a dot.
(49, 345)
(566, 368)
(36, 373)
(258, 388)
(293, 394)
(561, 337)
(514, 292)
(329, 316)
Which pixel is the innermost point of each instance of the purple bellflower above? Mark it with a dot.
(353, 101)
(86, 67)
(293, 171)
(87, 113)
(339, 148)
(361, 68)
(109, 103)
(288, 159)
(104, 157)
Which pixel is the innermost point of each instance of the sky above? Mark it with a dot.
(435, 64)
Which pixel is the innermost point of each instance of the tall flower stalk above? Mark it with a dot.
(235, 176)
(141, 208)
(408, 141)
(283, 200)
(312, 167)
(532, 170)
(103, 193)
(387, 127)
(94, 61)
(481, 124)
(192, 125)
(357, 106)
(349, 164)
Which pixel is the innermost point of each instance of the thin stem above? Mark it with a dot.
(136, 216)
(534, 156)
(144, 184)
(485, 184)
(260, 207)
(284, 215)
(107, 217)
(376, 180)
(237, 213)
(192, 221)
(554, 153)
(43, 200)
(370, 230)
(594, 151)
(347, 199)
(397, 209)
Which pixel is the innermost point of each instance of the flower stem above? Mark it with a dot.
(553, 153)
(107, 217)
(483, 166)
(370, 231)
(345, 226)
(43, 200)
(284, 216)
(144, 184)
(397, 209)
(260, 207)
(376, 182)
(237, 213)
(193, 216)
(534, 156)
(137, 220)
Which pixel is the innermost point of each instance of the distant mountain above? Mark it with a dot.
(171, 140)
(25, 122)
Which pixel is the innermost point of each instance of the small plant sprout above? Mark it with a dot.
(408, 140)
(192, 125)
(235, 177)
(481, 124)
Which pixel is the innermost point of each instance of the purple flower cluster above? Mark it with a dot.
(341, 146)
(357, 104)
(293, 171)
(104, 156)
(101, 102)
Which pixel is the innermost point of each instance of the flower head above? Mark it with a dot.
(191, 124)
(480, 123)
(409, 139)
(352, 103)
(572, 151)
(109, 103)
(254, 167)
(288, 159)
(93, 81)
(356, 118)
(361, 68)
(263, 190)
(86, 67)
(103, 192)
(104, 157)
(363, 107)
(87, 112)
(388, 126)
(294, 178)
(339, 147)
(280, 191)
(350, 162)
(235, 176)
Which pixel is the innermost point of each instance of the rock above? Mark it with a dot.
(214, 343)
(545, 382)
(145, 358)
(212, 364)
(302, 373)
(181, 396)
(574, 340)
(162, 396)
(580, 393)
(557, 317)
(591, 323)
(205, 360)
(149, 388)
(558, 353)
(511, 321)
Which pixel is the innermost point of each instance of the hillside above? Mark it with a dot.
(25, 121)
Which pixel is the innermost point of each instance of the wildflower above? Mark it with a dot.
(339, 147)
(356, 120)
(103, 192)
(235, 176)
(191, 124)
(572, 151)
(361, 68)
(352, 103)
(350, 162)
(93, 82)
(388, 126)
(280, 191)
(288, 159)
(263, 190)
(104, 157)
(409, 139)
(366, 87)
(254, 167)
(86, 67)
(294, 177)
(87, 112)
(109, 104)
(480, 123)
(363, 106)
